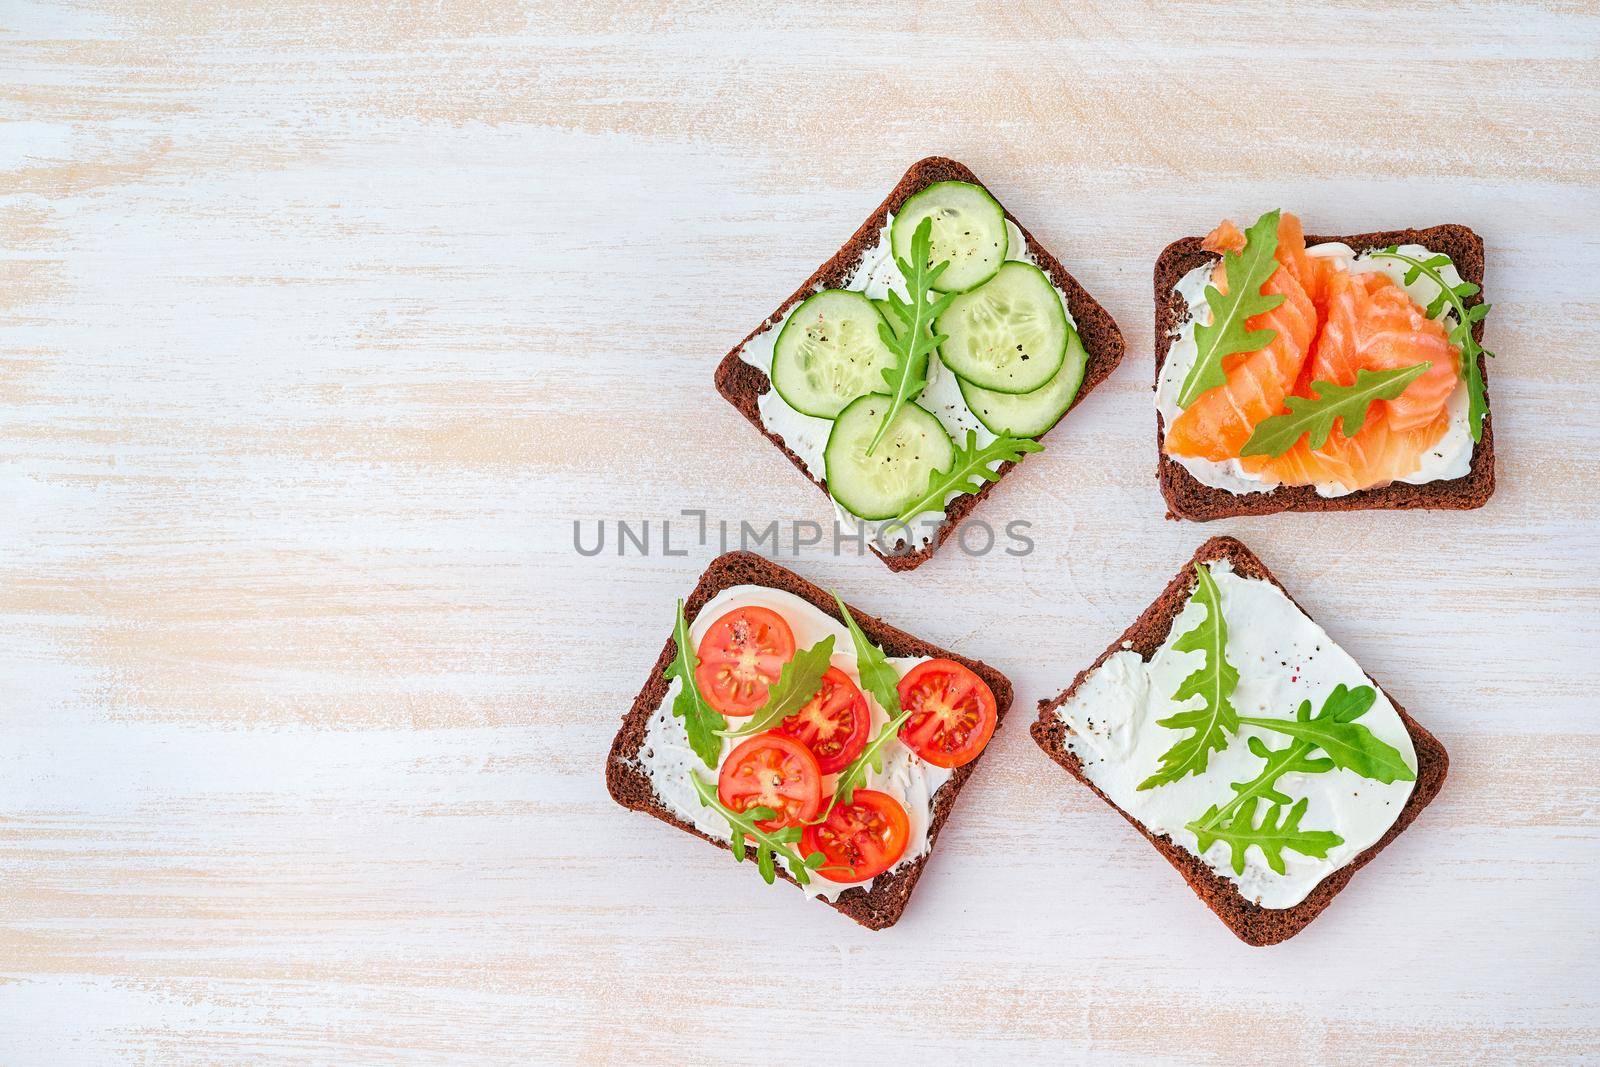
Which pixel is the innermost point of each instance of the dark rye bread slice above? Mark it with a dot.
(883, 906)
(1252, 923)
(742, 385)
(1188, 498)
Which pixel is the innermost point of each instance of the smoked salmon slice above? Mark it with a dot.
(1373, 324)
(1221, 420)
(1332, 325)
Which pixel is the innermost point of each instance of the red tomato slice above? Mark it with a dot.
(861, 839)
(953, 713)
(772, 771)
(740, 657)
(834, 725)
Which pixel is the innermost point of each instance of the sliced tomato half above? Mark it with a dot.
(772, 771)
(859, 840)
(834, 725)
(953, 712)
(740, 657)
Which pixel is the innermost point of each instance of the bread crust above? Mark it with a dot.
(630, 786)
(1188, 498)
(1252, 923)
(742, 385)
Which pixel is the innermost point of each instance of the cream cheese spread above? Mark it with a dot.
(667, 759)
(1283, 658)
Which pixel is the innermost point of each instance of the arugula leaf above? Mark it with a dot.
(798, 681)
(877, 674)
(1454, 297)
(879, 678)
(1247, 271)
(770, 844)
(701, 721)
(968, 470)
(1353, 747)
(1216, 720)
(913, 343)
(1315, 415)
(1349, 744)
(855, 773)
(1271, 837)
(1295, 758)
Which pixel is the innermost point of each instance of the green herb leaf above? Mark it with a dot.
(913, 343)
(798, 681)
(854, 775)
(1354, 748)
(1454, 297)
(1316, 415)
(1215, 720)
(701, 721)
(1293, 759)
(1247, 271)
(880, 679)
(877, 674)
(1349, 744)
(967, 472)
(897, 324)
(770, 845)
(1272, 837)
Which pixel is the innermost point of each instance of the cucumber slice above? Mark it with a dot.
(1029, 414)
(1009, 335)
(829, 353)
(969, 230)
(878, 486)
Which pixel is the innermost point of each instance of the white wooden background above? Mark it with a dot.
(320, 324)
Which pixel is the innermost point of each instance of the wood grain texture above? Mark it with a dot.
(321, 324)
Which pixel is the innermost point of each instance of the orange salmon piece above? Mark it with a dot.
(1221, 420)
(1373, 324)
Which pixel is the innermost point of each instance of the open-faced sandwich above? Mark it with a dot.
(782, 724)
(1246, 746)
(1299, 373)
(922, 362)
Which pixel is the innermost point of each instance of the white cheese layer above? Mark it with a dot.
(1283, 658)
(668, 760)
(1451, 457)
(807, 436)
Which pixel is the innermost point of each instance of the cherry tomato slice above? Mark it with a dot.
(861, 839)
(772, 771)
(953, 712)
(740, 657)
(834, 725)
